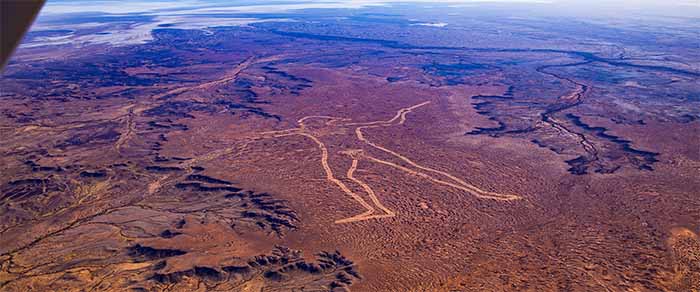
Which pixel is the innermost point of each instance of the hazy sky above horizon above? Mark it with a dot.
(132, 21)
(686, 8)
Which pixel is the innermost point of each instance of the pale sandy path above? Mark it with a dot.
(461, 184)
(372, 195)
(133, 111)
(229, 76)
(130, 129)
(356, 155)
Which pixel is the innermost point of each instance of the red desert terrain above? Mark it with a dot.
(322, 153)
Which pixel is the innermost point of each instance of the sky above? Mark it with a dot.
(670, 7)
(201, 14)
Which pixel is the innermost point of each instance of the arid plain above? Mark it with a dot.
(363, 150)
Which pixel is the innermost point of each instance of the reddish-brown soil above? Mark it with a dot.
(324, 164)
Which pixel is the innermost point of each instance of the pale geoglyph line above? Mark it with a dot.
(456, 182)
(462, 185)
(332, 178)
(367, 188)
(372, 195)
